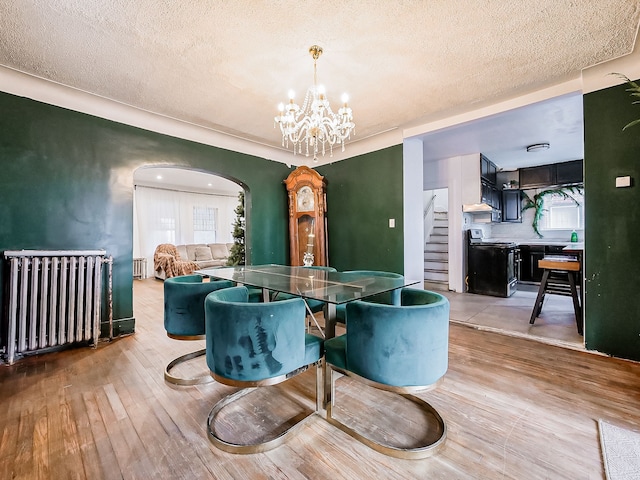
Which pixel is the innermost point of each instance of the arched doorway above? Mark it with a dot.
(180, 206)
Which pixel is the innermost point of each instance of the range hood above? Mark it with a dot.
(477, 207)
(482, 212)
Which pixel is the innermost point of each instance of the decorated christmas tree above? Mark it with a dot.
(236, 254)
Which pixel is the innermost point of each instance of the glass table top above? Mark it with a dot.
(331, 287)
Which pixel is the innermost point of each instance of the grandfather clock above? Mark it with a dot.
(307, 217)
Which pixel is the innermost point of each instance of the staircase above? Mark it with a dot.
(436, 254)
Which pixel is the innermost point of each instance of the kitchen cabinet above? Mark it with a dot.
(479, 193)
(534, 177)
(511, 206)
(529, 256)
(569, 172)
(488, 170)
(490, 195)
(565, 173)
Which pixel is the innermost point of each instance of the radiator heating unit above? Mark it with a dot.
(140, 268)
(55, 299)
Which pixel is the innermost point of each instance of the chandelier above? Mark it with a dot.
(314, 125)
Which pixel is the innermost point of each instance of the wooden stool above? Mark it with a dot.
(555, 268)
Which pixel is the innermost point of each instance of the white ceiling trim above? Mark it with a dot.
(42, 90)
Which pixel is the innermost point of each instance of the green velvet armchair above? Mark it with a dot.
(256, 345)
(398, 348)
(184, 318)
(386, 298)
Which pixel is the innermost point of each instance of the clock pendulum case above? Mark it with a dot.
(307, 217)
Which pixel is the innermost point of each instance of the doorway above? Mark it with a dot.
(180, 206)
(436, 234)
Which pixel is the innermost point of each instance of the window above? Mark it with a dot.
(204, 224)
(563, 213)
(165, 231)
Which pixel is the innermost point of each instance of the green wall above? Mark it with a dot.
(67, 183)
(612, 255)
(363, 193)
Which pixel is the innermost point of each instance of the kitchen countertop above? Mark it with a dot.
(559, 243)
(538, 241)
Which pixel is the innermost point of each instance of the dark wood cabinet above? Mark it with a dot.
(490, 195)
(564, 173)
(485, 193)
(569, 172)
(511, 206)
(496, 198)
(488, 170)
(529, 256)
(534, 177)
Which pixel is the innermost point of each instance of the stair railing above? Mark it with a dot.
(428, 217)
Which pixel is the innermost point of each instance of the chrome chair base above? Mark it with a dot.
(295, 423)
(186, 381)
(412, 453)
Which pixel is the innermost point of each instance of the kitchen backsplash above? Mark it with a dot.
(524, 231)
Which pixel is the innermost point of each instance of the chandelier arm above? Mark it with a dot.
(315, 125)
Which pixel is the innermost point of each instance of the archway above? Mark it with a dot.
(180, 206)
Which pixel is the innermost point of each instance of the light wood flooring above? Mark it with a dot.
(515, 409)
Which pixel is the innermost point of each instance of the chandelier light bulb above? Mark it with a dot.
(314, 124)
(292, 94)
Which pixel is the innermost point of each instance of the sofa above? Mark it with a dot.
(174, 260)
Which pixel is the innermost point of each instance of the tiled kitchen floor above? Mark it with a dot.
(556, 324)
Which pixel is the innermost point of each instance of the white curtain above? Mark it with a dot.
(168, 216)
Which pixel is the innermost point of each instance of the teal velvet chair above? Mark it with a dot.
(398, 348)
(386, 298)
(314, 306)
(255, 293)
(257, 345)
(184, 317)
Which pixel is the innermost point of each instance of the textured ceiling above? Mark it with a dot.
(225, 65)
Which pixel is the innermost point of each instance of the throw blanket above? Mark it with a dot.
(167, 258)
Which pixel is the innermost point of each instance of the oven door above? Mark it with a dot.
(513, 267)
(512, 270)
(492, 270)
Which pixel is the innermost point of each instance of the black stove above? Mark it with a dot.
(492, 265)
(476, 237)
(498, 244)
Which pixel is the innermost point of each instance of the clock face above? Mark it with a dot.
(305, 199)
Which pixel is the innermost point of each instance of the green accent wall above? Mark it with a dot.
(612, 233)
(363, 193)
(67, 183)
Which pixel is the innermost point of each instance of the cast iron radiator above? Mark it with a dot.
(140, 268)
(54, 299)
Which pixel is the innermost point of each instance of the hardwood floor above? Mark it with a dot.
(515, 409)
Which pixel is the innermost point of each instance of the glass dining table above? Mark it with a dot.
(333, 288)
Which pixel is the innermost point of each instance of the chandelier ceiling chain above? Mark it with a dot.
(315, 125)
